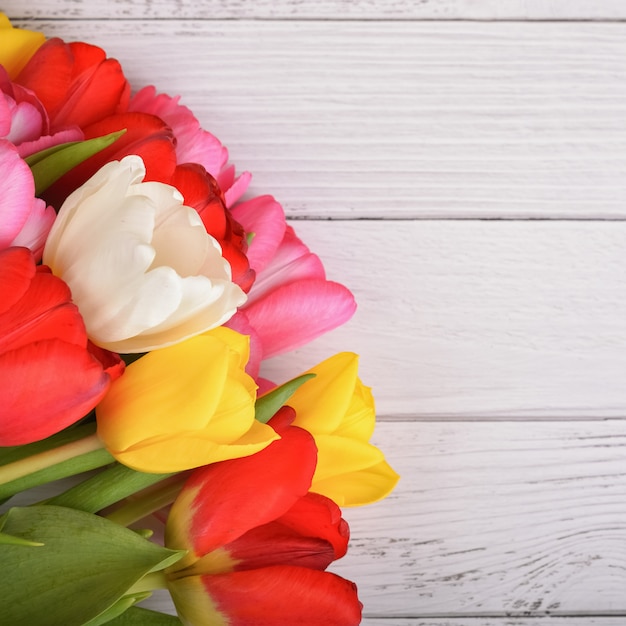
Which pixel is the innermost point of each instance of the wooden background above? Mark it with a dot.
(460, 165)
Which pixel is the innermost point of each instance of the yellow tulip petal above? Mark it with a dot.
(359, 488)
(17, 46)
(360, 419)
(322, 402)
(240, 344)
(195, 449)
(339, 455)
(173, 389)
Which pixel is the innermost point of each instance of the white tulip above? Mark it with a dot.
(142, 269)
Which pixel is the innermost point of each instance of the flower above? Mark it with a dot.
(50, 379)
(338, 410)
(258, 542)
(291, 302)
(184, 406)
(141, 266)
(87, 85)
(17, 45)
(26, 220)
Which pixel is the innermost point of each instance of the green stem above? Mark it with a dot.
(149, 502)
(50, 464)
(44, 460)
(151, 581)
(106, 488)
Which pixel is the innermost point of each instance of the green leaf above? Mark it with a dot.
(49, 165)
(17, 541)
(123, 604)
(268, 404)
(85, 566)
(137, 616)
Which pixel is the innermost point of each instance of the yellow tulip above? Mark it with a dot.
(338, 410)
(16, 46)
(184, 406)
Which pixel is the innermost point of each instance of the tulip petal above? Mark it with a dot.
(297, 313)
(36, 228)
(271, 596)
(43, 312)
(18, 269)
(323, 403)
(194, 145)
(222, 501)
(18, 193)
(46, 386)
(359, 488)
(350, 472)
(264, 217)
(311, 534)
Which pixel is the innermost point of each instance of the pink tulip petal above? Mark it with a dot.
(236, 189)
(35, 230)
(26, 123)
(17, 193)
(299, 312)
(48, 141)
(265, 219)
(194, 145)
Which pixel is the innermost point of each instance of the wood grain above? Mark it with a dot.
(490, 519)
(479, 319)
(324, 9)
(399, 119)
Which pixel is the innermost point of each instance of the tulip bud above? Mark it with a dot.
(184, 406)
(338, 410)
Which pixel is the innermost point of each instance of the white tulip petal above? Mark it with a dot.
(141, 267)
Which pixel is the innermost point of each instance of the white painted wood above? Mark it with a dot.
(479, 319)
(399, 119)
(494, 519)
(324, 9)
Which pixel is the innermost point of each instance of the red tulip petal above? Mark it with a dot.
(43, 312)
(46, 386)
(275, 544)
(315, 515)
(146, 135)
(49, 73)
(231, 497)
(299, 312)
(17, 268)
(280, 595)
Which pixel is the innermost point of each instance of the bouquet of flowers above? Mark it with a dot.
(141, 291)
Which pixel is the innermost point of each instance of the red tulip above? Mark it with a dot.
(50, 379)
(258, 543)
(76, 83)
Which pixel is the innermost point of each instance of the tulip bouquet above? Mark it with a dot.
(141, 292)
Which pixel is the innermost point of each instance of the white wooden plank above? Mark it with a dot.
(399, 119)
(495, 519)
(479, 319)
(325, 9)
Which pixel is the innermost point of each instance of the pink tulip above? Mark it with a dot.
(291, 302)
(26, 220)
